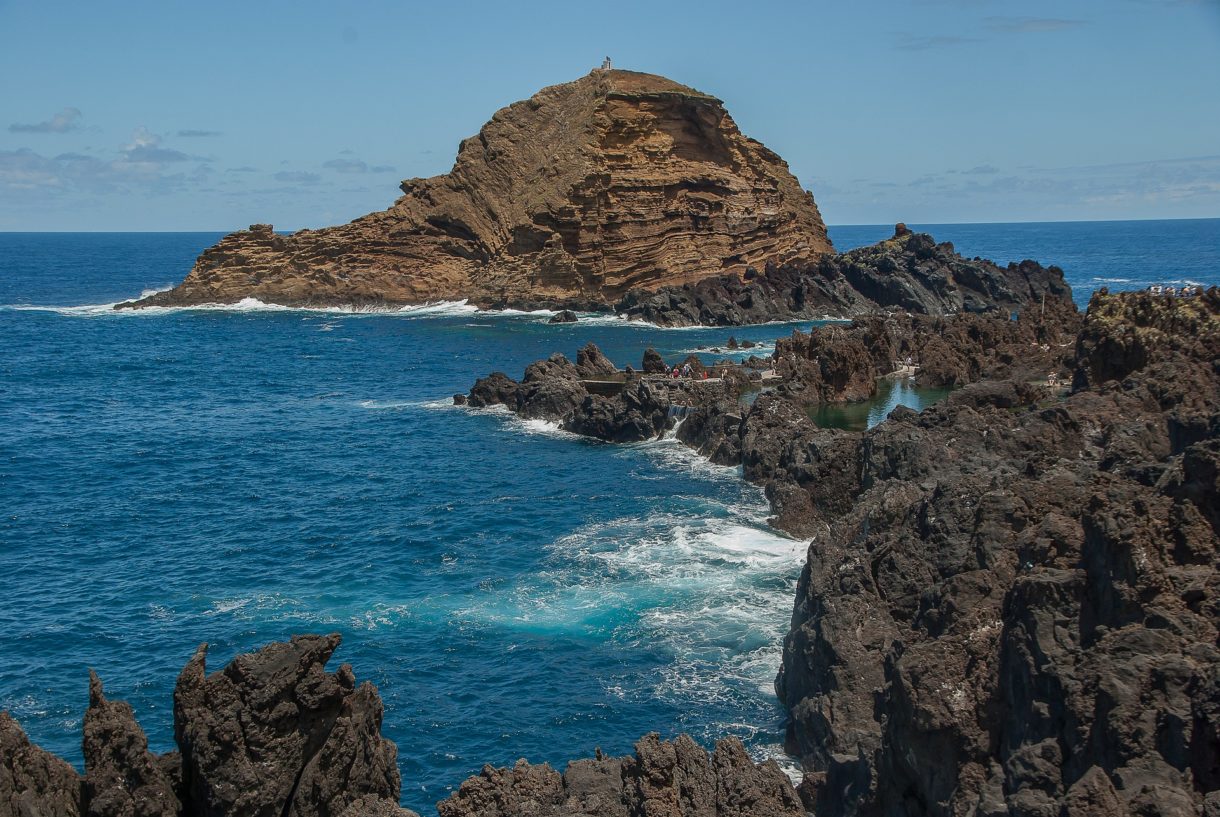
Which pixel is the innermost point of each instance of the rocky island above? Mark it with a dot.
(620, 192)
(575, 196)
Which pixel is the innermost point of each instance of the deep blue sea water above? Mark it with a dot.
(237, 475)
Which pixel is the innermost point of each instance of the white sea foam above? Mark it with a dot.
(394, 405)
(759, 349)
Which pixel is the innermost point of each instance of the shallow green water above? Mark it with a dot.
(891, 393)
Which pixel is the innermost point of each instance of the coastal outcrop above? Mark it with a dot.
(272, 734)
(774, 438)
(593, 398)
(34, 782)
(909, 272)
(1010, 606)
(663, 778)
(586, 190)
(275, 735)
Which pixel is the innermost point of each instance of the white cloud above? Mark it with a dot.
(66, 120)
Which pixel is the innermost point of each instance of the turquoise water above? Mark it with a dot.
(237, 475)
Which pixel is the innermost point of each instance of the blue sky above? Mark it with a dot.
(211, 116)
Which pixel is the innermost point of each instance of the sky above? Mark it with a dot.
(211, 116)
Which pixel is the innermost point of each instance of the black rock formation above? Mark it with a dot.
(275, 735)
(1010, 605)
(34, 783)
(271, 735)
(663, 779)
(910, 272)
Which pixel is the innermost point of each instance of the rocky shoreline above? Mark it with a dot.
(1009, 603)
(273, 734)
(1009, 606)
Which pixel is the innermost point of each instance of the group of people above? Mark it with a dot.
(1188, 291)
(685, 370)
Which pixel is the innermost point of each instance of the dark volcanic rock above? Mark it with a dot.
(373, 806)
(497, 389)
(275, 735)
(122, 778)
(34, 783)
(653, 363)
(715, 432)
(836, 363)
(564, 316)
(591, 364)
(550, 388)
(663, 779)
(1010, 606)
(640, 412)
(910, 272)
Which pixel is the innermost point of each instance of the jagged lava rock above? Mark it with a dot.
(122, 778)
(275, 735)
(576, 195)
(909, 271)
(1010, 603)
(663, 779)
(33, 782)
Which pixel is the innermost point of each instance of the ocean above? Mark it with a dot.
(235, 475)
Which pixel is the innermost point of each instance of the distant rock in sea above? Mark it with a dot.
(575, 196)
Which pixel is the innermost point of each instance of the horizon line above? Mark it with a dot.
(855, 224)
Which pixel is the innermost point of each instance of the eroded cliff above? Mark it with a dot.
(583, 191)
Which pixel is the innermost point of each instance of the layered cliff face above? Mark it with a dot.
(578, 194)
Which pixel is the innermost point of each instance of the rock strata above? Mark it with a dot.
(908, 272)
(666, 779)
(616, 181)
